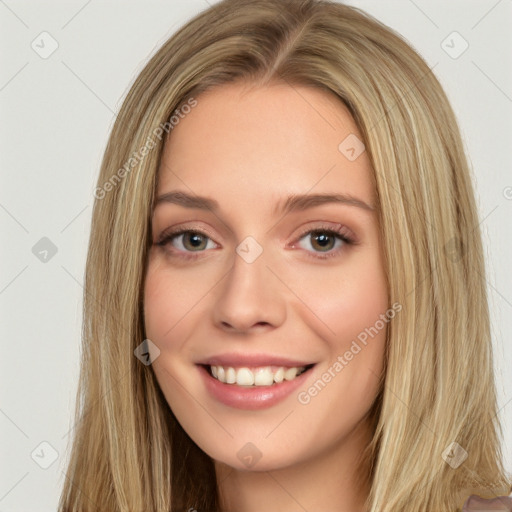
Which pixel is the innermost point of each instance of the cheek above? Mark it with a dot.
(347, 382)
(351, 315)
(346, 299)
(166, 321)
(157, 302)
(171, 298)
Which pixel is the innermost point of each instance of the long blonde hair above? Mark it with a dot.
(128, 452)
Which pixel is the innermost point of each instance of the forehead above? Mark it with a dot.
(266, 140)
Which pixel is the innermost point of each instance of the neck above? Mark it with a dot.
(332, 481)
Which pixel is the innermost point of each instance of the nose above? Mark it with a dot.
(250, 298)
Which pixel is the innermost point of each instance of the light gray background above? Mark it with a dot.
(56, 115)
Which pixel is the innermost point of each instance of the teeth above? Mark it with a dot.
(290, 374)
(244, 377)
(230, 376)
(279, 375)
(263, 376)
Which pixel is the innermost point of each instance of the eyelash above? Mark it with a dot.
(341, 234)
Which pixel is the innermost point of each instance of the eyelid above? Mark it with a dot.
(181, 229)
(339, 229)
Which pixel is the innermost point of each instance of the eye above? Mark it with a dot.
(325, 242)
(319, 242)
(188, 241)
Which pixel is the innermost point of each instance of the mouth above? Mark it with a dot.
(264, 376)
(253, 387)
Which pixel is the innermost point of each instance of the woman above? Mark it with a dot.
(285, 305)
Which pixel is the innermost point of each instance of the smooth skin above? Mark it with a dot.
(307, 296)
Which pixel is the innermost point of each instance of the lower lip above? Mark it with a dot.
(253, 397)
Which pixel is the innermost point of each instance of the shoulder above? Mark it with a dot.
(476, 503)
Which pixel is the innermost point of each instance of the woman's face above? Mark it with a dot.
(267, 260)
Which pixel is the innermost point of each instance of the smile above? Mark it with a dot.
(262, 376)
(252, 386)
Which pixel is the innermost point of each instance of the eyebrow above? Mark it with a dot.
(295, 202)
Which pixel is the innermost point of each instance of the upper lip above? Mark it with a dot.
(252, 360)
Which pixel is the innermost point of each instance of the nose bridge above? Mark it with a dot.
(250, 294)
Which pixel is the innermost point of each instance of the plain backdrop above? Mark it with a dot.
(56, 112)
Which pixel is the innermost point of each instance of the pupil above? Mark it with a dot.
(194, 240)
(323, 241)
